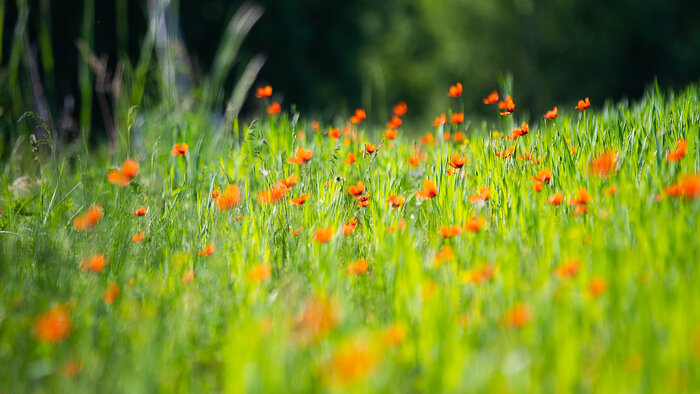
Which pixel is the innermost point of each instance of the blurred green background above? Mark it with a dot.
(328, 57)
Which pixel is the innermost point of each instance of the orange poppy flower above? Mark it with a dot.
(393, 335)
(429, 190)
(140, 212)
(474, 224)
(457, 117)
(369, 148)
(363, 201)
(414, 161)
(188, 277)
(427, 139)
(395, 201)
(537, 186)
(597, 286)
(350, 158)
(400, 109)
(457, 162)
(89, 219)
(687, 186)
(111, 293)
(583, 104)
(483, 195)
(324, 235)
(274, 194)
(450, 231)
(229, 198)
(582, 197)
(215, 193)
(555, 199)
(319, 317)
(506, 153)
(390, 134)
(394, 123)
(446, 136)
(455, 90)
(53, 325)
(237, 219)
(360, 114)
(679, 152)
(125, 174)
(491, 98)
(358, 267)
(301, 156)
(206, 251)
(138, 237)
(264, 92)
(290, 181)
(460, 137)
(604, 164)
(334, 133)
(611, 191)
(349, 227)
(444, 255)
(507, 106)
(274, 108)
(315, 126)
(301, 200)
(522, 130)
(550, 115)
(543, 175)
(481, 275)
(259, 272)
(95, 263)
(567, 269)
(517, 316)
(440, 120)
(356, 190)
(179, 150)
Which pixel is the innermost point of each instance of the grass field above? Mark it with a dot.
(564, 258)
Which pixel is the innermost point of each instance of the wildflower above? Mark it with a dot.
(369, 149)
(71, 368)
(358, 267)
(414, 161)
(215, 193)
(555, 199)
(95, 263)
(237, 219)
(274, 108)
(687, 186)
(483, 195)
(88, 220)
(491, 98)
(289, 182)
(455, 90)
(444, 255)
(179, 150)
(349, 227)
(506, 153)
(324, 235)
(507, 106)
(450, 231)
(138, 237)
(457, 162)
(537, 186)
(428, 139)
(474, 224)
(394, 123)
(457, 117)
(400, 109)
(360, 114)
(583, 104)
(520, 131)
(481, 275)
(460, 137)
(679, 152)
(188, 277)
(395, 201)
(353, 362)
(356, 190)
(390, 134)
(319, 317)
(544, 175)
(111, 293)
(259, 273)
(567, 269)
(334, 133)
(301, 200)
(206, 251)
(140, 212)
(301, 156)
(363, 201)
(125, 174)
(274, 194)
(597, 286)
(315, 126)
(604, 164)
(53, 325)
(517, 316)
(551, 114)
(429, 190)
(229, 198)
(393, 335)
(402, 226)
(440, 120)
(264, 92)
(611, 191)
(580, 202)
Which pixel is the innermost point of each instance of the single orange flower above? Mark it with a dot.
(440, 120)
(95, 263)
(556, 199)
(125, 174)
(507, 106)
(394, 123)
(301, 200)
(414, 161)
(455, 90)
(446, 136)
(140, 212)
(551, 114)
(429, 190)
(537, 186)
(274, 194)
(517, 316)
(301, 156)
(54, 325)
(457, 162)
(358, 267)
(583, 104)
(290, 181)
(604, 164)
(679, 152)
(349, 227)
(324, 235)
(334, 133)
(363, 201)
(474, 224)
(369, 149)
(259, 272)
(356, 190)
(460, 137)
(483, 195)
(206, 251)
(315, 126)
(360, 114)
(319, 317)
(568, 269)
(390, 134)
(450, 231)
(215, 193)
(543, 175)
(428, 139)
(457, 117)
(265, 91)
(506, 153)
(111, 293)
(350, 158)
(179, 150)
(597, 286)
(88, 220)
(491, 98)
(395, 201)
(688, 186)
(237, 219)
(400, 109)
(444, 255)
(138, 237)
(188, 277)
(274, 108)
(229, 198)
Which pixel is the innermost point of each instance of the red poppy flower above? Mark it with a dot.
(450, 231)
(324, 235)
(301, 200)
(111, 293)
(179, 150)
(356, 190)
(259, 273)
(290, 181)
(491, 98)
(88, 220)
(551, 114)
(555, 199)
(474, 224)
(400, 109)
(455, 90)
(274, 108)
(390, 134)
(315, 126)
(301, 156)
(679, 152)
(517, 316)
(440, 120)
(395, 201)
(604, 164)
(394, 123)
(358, 267)
(334, 133)
(369, 148)
(543, 175)
(597, 286)
(349, 227)
(483, 195)
(54, 325)
(457, 162)
(140, 212)
(429, 190)
(273, 194)
(350, 158)
(583, 104)
(206, 251)
(457, 117)
(507, 106)
(138, 237)
(460, 137)
(567, 269)
(264, 92)
(229, 198)
(125, 174)
(95, 263)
